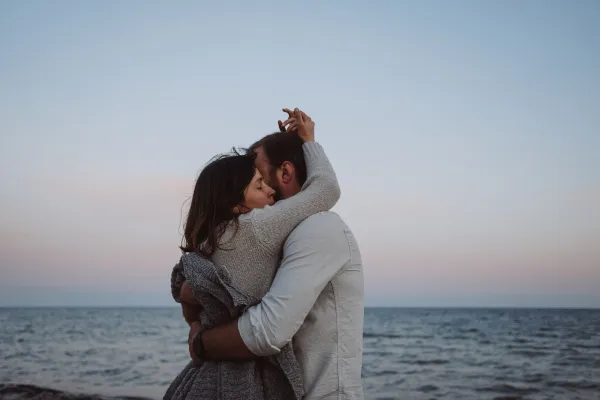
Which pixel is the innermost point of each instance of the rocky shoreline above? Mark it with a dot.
(19, 392)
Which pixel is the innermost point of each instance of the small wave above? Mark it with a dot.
(586, 346)
(106, 372)
(428, 388)
(386, 372)
(534, 378)
(27, 329)
(425, 362)
(575, 385)
(457, 337)
(18, 355)
(508, 398)
(377, 353)
(382, 335)
(367, 335)
(546, 335)
(530, 353)
(75, 332)
(508, 389)
(90, 352)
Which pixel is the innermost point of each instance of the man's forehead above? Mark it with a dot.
(261, 156)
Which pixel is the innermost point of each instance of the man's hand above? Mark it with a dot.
(299, 122)
(222, 343)
(195, 329)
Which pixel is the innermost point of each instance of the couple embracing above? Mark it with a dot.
(271, 281)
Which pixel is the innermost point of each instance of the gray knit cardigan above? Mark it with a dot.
(274, 377)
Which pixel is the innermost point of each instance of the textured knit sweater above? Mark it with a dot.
(240, 274)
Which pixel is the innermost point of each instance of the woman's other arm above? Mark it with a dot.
(189, 304)
(320, 192)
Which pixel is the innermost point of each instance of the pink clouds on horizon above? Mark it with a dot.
(107, 233)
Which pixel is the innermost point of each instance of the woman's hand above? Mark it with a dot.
(186, 295)
(300, 123)
(189, 304)
(191, 312)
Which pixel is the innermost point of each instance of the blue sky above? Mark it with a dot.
(465, 136)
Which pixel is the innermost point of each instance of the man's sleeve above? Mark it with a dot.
(314, 253)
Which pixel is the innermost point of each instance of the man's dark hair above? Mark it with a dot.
(280, 147)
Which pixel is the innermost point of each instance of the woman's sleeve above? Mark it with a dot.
(320, 192)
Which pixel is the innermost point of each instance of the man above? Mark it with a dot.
(316, 297)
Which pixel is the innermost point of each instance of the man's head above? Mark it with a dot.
(280, 160)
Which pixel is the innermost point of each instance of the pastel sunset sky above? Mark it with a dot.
(465, 135)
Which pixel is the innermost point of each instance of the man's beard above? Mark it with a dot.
(275, 186)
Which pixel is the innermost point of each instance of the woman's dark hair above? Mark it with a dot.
(219, 188)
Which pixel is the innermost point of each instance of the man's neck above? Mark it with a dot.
(290, 190)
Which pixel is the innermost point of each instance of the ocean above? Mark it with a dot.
(408, 353)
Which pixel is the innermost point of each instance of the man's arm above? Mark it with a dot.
(314, 253)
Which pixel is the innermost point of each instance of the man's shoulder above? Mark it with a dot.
(321, 229)
(326, 220)
(321, 233)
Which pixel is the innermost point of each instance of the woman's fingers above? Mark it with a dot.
(289, 121)
(289, 112)
(296, 120)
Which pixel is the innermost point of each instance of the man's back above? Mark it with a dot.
(316, 300)
(328, 345)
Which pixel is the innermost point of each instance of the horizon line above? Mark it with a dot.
(366, 307)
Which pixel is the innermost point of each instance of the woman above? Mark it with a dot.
(234, 222)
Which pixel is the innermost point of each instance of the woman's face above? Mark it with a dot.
(258, 194)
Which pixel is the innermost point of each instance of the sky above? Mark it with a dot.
(465, 136)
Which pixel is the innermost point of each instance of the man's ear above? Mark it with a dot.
(288, 172)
